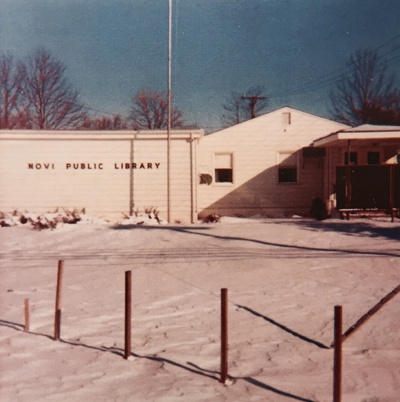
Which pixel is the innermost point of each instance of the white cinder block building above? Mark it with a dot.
(107, 173)
(264, 165)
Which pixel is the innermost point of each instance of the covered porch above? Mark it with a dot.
(362, 170)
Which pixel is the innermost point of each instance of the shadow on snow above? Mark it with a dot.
(286, 329)
(205, 231)
(351, 228)
(190, 367)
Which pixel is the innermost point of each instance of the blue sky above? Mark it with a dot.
(113, 48)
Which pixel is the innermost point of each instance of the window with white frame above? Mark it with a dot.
(223, 168)
(287, 167)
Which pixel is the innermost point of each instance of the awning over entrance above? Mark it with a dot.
(365, 134)
(364, 164)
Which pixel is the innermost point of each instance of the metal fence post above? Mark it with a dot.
(57, 318)
(337, 364)
(26, 315)
(128, 313)
(224, 335)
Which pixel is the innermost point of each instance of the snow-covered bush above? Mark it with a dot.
(48, 220)
(63, 216)
(149, 216)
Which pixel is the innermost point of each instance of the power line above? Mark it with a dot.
(389, 41)
(308, 86)
(316, 84)
(98, 111)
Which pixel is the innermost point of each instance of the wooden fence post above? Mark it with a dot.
(57, 318)
(224, 335)
(337, 364)
(128, 313)
(26, 315)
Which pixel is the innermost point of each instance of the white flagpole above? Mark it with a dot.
(169, 111)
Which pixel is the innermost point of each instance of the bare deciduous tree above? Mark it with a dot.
(50, 101)
(149, 111)
(10, 86)
(365, 92)
(234, 110)
(385, 111)
(105, 123)
(238, 110)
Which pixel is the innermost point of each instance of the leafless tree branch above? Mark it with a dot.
(365, 92)
(149, 111)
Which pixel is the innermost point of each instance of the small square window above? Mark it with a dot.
(287, 175)
(373, 158)
(223, 175)
(353, 158)
(287, 168)
(223, 168)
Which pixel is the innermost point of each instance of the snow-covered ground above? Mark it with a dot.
(284, 278)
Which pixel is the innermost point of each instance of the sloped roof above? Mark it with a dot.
(266, 116)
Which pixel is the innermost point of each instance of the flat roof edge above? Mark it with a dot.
(357, 135)
(98, 135)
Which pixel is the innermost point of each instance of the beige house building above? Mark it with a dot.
(264, 166)
(273, 165)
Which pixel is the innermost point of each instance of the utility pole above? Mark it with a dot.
(253, 101)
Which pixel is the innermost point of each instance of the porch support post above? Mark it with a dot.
(348, 179)
(392, 187)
